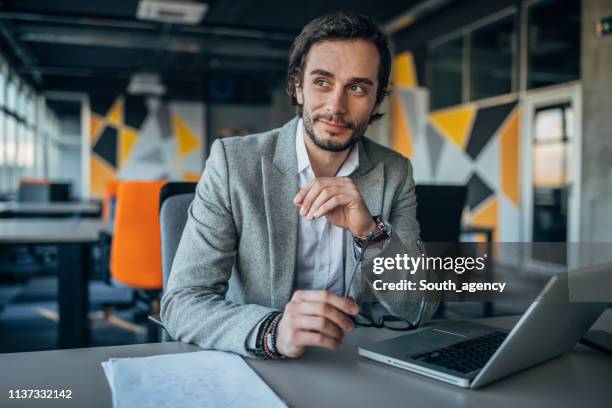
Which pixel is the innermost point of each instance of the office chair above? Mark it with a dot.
(439, 210)
(174, 202)
(33, 190)
(60, 192)
(135, 250)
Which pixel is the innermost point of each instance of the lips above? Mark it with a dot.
(334, 127)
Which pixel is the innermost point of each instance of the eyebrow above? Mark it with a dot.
(354, 80)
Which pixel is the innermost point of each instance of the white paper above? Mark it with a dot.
(199, 379)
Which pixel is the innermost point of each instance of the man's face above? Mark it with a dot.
(338, 93)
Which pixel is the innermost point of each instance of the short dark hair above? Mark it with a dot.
(339, 25)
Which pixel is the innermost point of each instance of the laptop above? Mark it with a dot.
(470, 355)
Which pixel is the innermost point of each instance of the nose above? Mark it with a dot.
(336, 102)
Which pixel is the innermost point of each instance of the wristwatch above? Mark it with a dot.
(381, 234)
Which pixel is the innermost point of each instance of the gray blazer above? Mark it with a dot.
(236, 259)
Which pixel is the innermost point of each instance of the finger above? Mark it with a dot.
(342, 303)
(318, 324)
(305, 338)
(331, 204)
(324, 310)
(318, 186)
(326, 194)
(299, 198)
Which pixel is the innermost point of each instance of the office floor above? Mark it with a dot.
(28, 316)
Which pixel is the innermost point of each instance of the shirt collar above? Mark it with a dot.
(348, 167)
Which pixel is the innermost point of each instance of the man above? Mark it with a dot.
(280, 218)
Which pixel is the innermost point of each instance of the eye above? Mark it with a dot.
(321, 82)
(357, 89)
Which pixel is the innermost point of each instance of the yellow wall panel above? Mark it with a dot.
(96, 124)
(487, 215)
(404, 73)
(510, 158)
(101, 174)
(186, 141)
(115, 113)
(455, 123)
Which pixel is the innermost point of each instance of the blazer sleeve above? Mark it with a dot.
(194, 308)
(405, 239)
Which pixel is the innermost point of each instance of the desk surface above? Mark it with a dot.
(322, 378)
(50, 230)
(79, 207)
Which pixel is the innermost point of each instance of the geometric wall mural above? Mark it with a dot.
(145, 139)
(472, 145)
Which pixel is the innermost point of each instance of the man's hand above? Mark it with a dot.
(338, 199)
(314, 318)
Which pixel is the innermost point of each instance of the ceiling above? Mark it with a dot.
(237, 53)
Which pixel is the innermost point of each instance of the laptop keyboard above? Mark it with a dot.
(466, 356)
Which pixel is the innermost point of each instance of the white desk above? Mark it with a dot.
(321, 378)
(74, 239)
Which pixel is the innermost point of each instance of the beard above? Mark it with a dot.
(358, 131)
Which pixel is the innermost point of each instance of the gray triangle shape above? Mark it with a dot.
(435, 142)
(152, 157)
(410, 102)
(163, 119)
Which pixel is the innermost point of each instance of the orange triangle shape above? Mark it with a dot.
(101, 175)
(510, 156)
(186, 141)
(404, 73)
(486, 215)
(115, 113)
(455, 123)
(96, 124)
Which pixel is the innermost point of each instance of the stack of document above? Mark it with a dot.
(198, 379)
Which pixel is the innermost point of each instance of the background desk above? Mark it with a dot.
(50, 209)
(74, 239)
(322, 378)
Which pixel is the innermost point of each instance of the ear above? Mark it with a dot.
(299, 93)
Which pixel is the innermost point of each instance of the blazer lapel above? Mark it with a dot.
(369, 178)
(280, 187)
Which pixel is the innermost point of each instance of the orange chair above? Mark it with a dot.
(135, 255)
(136, 247)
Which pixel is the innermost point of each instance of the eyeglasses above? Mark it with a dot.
(390, 322)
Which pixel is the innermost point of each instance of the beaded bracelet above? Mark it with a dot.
(269, 344)
(263, 328)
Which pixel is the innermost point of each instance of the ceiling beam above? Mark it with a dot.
(20, 50)
(208, 29)
(414, 14)
(150, 41)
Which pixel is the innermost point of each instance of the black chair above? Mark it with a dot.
(175, 199)
(439, 210)
(60, 192)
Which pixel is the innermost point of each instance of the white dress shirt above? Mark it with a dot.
(320, 251)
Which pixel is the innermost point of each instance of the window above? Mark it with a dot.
(492, 50)
(478, 63)
(446, 73)
(553, 42)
